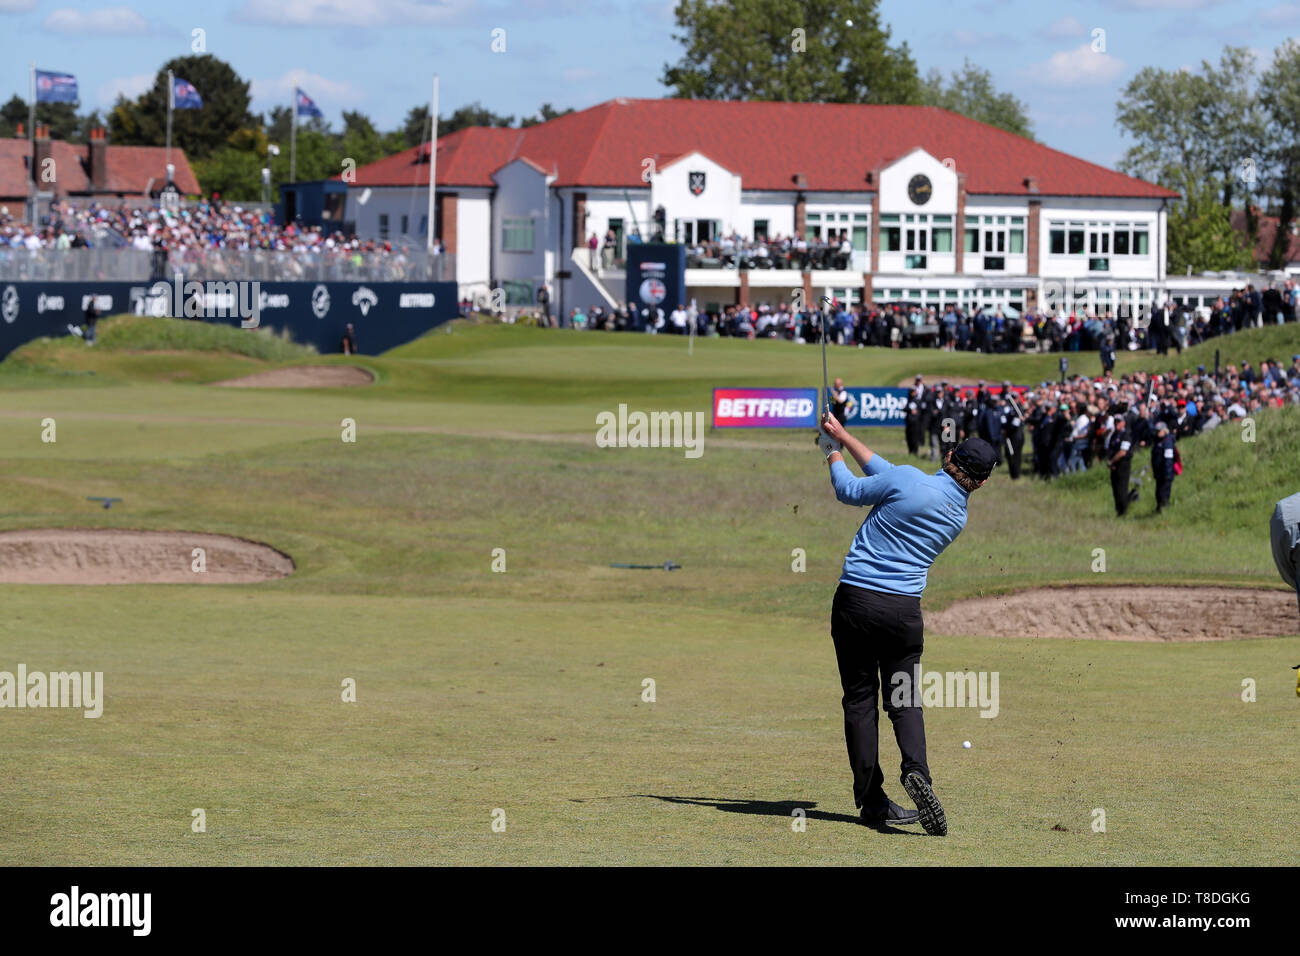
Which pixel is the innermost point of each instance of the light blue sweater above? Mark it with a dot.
(915, 516)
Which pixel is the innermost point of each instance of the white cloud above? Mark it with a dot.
(329, 95)
(108, 21)
(17, 6)
(1066, 28)
(1283, 13)
(578, 74)
(356, 13)
(128, 86)
(1079, 67)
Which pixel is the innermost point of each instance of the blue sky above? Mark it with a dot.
(379, 56)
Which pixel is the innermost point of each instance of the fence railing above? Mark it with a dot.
(134, 265)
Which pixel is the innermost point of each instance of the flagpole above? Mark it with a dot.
(171, 103)
(31, 136)
(293, 138)
(433, 159)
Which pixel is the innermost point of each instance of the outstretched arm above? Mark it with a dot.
(860, 452)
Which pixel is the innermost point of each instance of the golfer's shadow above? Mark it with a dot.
(771, 808)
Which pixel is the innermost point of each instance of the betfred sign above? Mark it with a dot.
(764, 408)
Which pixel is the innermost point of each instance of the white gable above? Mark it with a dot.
(896, 177)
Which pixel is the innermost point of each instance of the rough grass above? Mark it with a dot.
(136, 348)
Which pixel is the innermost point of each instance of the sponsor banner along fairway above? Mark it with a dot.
(764, 407)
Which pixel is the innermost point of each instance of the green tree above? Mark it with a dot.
(1201, 235)
(971, 93)
(234, 173)
(1279, 95)
(62, 119)
(1195, 125)
(828, 51)
(1235, 113)
(545, 114)
(473, 114)
(359, 140)
(199, 132)
(415, 128)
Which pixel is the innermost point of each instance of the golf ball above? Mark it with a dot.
(966, 744)
(848, 23)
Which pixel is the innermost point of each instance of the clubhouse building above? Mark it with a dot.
(938, 208)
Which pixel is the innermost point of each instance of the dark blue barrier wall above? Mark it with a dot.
(383, 314)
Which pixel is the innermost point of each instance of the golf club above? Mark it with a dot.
(666, 566)
(826, 388)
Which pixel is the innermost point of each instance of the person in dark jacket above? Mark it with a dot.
(1119, 455)
(1163, 455)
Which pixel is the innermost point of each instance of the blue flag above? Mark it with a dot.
(55, 87)
(185, 96)
(306, 106)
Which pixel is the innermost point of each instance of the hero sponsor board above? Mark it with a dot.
(764, 407)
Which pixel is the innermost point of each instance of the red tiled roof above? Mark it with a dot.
(834, 145)
(129, 169)
(13, 170)
(1267, 230)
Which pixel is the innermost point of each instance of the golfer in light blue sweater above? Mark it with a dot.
(876, 616)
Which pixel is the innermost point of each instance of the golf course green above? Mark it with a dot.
(519, 696)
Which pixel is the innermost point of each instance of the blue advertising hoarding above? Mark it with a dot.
(383, 314)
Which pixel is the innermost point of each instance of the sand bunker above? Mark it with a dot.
(110, 556)
(1124, 614)
(303, 376)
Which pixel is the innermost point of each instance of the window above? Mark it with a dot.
(383, 225)
(518, 293)
(861, 233)
(830, 226)
(890, 234)
(997, 235)
(424, 225)
(760, 228)
(517, 234)
(1098, 240)
(916, 234)
(405, 223)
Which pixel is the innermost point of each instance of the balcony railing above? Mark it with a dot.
(201, 263)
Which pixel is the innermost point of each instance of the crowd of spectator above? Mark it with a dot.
(1080, 422)
(1170, 326)
(733, 251)
(197, 237)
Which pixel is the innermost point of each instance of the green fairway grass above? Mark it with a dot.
(522, 691)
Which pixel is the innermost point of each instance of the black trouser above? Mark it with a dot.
(912, 432)
(1015, 445)
(1164, 485)
(1119, 475)
(878, 636)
